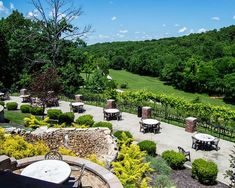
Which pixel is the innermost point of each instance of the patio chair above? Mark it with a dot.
(156, 128)
(77, 183)
(186, 153)
(53, 155)
(143, 127)
(119, 116)
(107, 116)
(215, 144)
(195, 143)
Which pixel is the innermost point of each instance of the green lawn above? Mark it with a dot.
(15, 116)
(153, 84)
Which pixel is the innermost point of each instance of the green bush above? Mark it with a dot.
(12, 106)
(104, 124)
(163, 181)
(25, 108)
(67, 117)
(2, 103)
(118, 134)
(37, 111)
(123, 85)
(148, 146)
(174, 159)
(54, 113)
(159, 165)
(205, 171)
(85, 120)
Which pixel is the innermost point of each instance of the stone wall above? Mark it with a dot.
(1, 114)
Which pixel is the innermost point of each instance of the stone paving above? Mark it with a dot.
(170, 136)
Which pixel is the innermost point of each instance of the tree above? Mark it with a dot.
(231, 173)
(42, 85)
(229, 90)
(57, 25)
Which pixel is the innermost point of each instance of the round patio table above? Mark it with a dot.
(54, 171)
(77, 104)
(111, 111)
(150, 121)
(204, 137)
(1, 94)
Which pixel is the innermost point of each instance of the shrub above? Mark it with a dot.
(37, 111)
(104, 124)
(12, 106)
(123, 85)
(54, 113)
(163, 181)
(85, 120)
(25, 108)
(34, 122)
(64, 151)
(118, 134)
(205, 171)
(2, 103)
(67, 117)
(94, 159)
(159, 165)
(124, 137)
(174, 159)
(148, 146)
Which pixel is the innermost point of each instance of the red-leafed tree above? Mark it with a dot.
(45, 85)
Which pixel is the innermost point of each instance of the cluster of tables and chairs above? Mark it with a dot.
(4, 96)
(52, 170)
(149, 125)
(112, 113)
(205, 142)
(77, 107)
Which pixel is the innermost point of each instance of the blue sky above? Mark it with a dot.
(122, 20)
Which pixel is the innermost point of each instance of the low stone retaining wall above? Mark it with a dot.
(1, 114)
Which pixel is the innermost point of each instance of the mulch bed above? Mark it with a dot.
(183, 179)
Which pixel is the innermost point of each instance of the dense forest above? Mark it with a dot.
(203, 63)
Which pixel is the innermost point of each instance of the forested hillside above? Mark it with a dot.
(196, 63)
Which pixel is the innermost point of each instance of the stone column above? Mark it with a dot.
(191, 123)
(78, 98)
(23, 92)
(2, 114)
(146, 112)
(111, 103)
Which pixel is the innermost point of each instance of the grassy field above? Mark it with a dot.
(136, 82)
(15, 116)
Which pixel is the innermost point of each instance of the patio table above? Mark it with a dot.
(112, 113)
(1, 94)
(150, 121)
(25, 98)
(54, 171)
(152, 125)
(77, 104)
(204, 137)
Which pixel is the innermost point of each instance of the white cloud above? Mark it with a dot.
(120, 35)
(32, 14)
(113, 18)
(234, 17)
(137, 32)
(176, 25)
(12, 6)
(123, 31)
(201, 30)
(216, 18)
(103, 36)
(191, 31)
(3, 8)
(183, 29)
(163, 25)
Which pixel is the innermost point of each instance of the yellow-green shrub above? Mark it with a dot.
(65, 151)
(94, 159)
(34, 122)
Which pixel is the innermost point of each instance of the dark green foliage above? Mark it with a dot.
(230, 172)
(54, 113)
(85, 120)
(67, 118)
(123, 85)
(104, 124)
(12, 106)
(118, 134)
(159, 165)
(25, 108)
(2, 103)
(205, 171)
(174, 159)
(37, 111)
(148, 146)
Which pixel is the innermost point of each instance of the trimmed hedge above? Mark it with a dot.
(2, 103)
(67, 117)
(174, 159)
(148, 146)
(118, 134)
(25, 108)
(12, 106)
(37, 111)
(104, 124)
(85, 120)
(205, 171)
(54, 113)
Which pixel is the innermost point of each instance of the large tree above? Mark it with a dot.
(57, 24)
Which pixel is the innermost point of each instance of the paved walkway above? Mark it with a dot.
(170, 136)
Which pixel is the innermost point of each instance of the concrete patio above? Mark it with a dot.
(170, 136)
